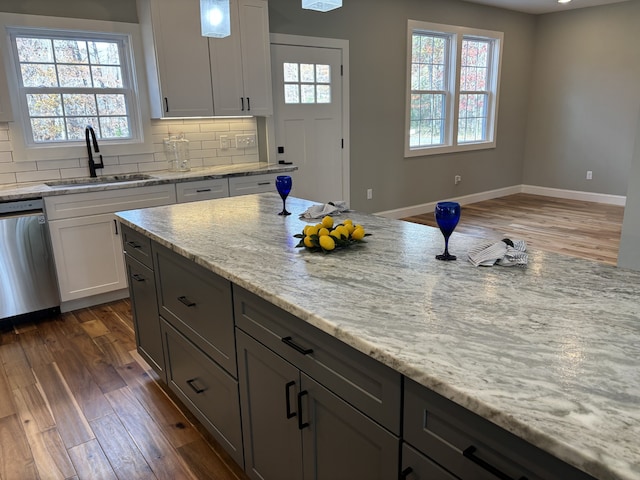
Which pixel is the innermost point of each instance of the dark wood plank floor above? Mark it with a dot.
(76, 401)
(572, 227)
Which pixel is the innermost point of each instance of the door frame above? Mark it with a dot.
(343, 46)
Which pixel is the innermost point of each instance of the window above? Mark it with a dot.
(67, 82)
(307, 83)
(65, 74)
(452, 93)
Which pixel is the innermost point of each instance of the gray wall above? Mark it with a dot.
(629, 254)
(584, 99)
(109, 10)
(376, 30)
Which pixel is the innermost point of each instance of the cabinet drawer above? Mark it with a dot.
(471, 447)
(210, 392)
(144, 307)
(416, 466)
(202, 190)
(248, 184)
(197, 303)
(368, 385)
(108, 201)
(137, 245)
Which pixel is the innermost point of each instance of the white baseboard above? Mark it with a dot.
(86, 302)
(619, 200)
(503, 192)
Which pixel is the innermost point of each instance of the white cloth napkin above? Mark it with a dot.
(319, 211)
(505, 253)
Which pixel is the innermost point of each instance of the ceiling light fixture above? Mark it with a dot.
(214, 18)
(564, 1)
(321, 6)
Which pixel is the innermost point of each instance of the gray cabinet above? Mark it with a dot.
(467, 446)
(209, 391)
(198, 304)
(142, 291)
(313, 391)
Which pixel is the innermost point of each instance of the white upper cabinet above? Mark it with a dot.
(191, 75)
(176, 57)
(241, 63)
(5, 103)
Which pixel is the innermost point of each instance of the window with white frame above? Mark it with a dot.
(452, 93)
(68, 81)
(65, 74)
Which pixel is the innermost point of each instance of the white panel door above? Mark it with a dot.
(308, 119)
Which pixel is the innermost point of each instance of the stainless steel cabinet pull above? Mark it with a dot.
(287, 393)
(191, 383)
(469, 453)
(301, 424)
(186, 301)
(289, 341)
(137, 277)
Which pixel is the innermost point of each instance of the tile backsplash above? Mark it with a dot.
(204, 150)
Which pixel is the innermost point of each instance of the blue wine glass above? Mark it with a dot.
(283, 184)
(447, 216)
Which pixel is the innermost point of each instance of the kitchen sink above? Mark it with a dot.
(76, 182)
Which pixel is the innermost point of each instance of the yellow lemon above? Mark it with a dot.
(322, 232)
(350, 227)
(311, 230)
(308, 242)
(327, 221)
(348, 221)
(327, 242)
(342, 230)
(358, 233)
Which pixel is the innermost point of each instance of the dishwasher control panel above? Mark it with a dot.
(21, 206)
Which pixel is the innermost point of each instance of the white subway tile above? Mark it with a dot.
(74, 172)
(38, 176)
(137, 158)
(51, 164)
(17, 167)
(7, 178)
(6, 157)
(245, 159)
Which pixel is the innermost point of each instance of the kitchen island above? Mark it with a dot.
(549, 353)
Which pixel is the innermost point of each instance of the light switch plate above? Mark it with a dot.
(246, 140)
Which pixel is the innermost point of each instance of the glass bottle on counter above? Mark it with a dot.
(176, 149)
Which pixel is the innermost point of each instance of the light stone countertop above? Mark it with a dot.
(20, 191)
(550, 352)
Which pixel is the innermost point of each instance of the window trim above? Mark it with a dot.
(455, 36)
(141, 142)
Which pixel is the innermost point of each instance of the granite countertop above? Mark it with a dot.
(20, 191)
(550, 352)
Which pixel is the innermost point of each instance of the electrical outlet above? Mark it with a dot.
(589, 175)
(369, 193)
(457, 179)
(246, 140)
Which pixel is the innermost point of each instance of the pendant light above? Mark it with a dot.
(321, 6)
(214, 18)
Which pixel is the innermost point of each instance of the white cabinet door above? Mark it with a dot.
(241, 63)
(247, 185)
(5, 102)
(177, 58)
(88, 256)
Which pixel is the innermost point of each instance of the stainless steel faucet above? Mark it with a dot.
(90, 136)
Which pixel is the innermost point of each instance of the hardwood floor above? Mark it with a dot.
(77, 402)
(571, 227)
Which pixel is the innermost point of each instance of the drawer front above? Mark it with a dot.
(202, 190)
(137, 245)
(142, 290)
(416, 466)
(108, 201)
(198, 303)
(368, 385)
(210, 392)
(471, 447)
(249, 184)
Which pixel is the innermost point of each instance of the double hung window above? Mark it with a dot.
(452, 93)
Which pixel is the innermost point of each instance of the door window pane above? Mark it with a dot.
(307, 83)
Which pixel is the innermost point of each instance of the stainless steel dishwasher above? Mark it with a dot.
(28, 285)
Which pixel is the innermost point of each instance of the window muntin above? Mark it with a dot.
(307, 83)
(453, 78)
(68, 81)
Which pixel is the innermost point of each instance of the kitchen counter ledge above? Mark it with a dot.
(20, 191)
(550, 352)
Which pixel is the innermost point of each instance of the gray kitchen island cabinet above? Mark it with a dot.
(294, 426)
(368, 363)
